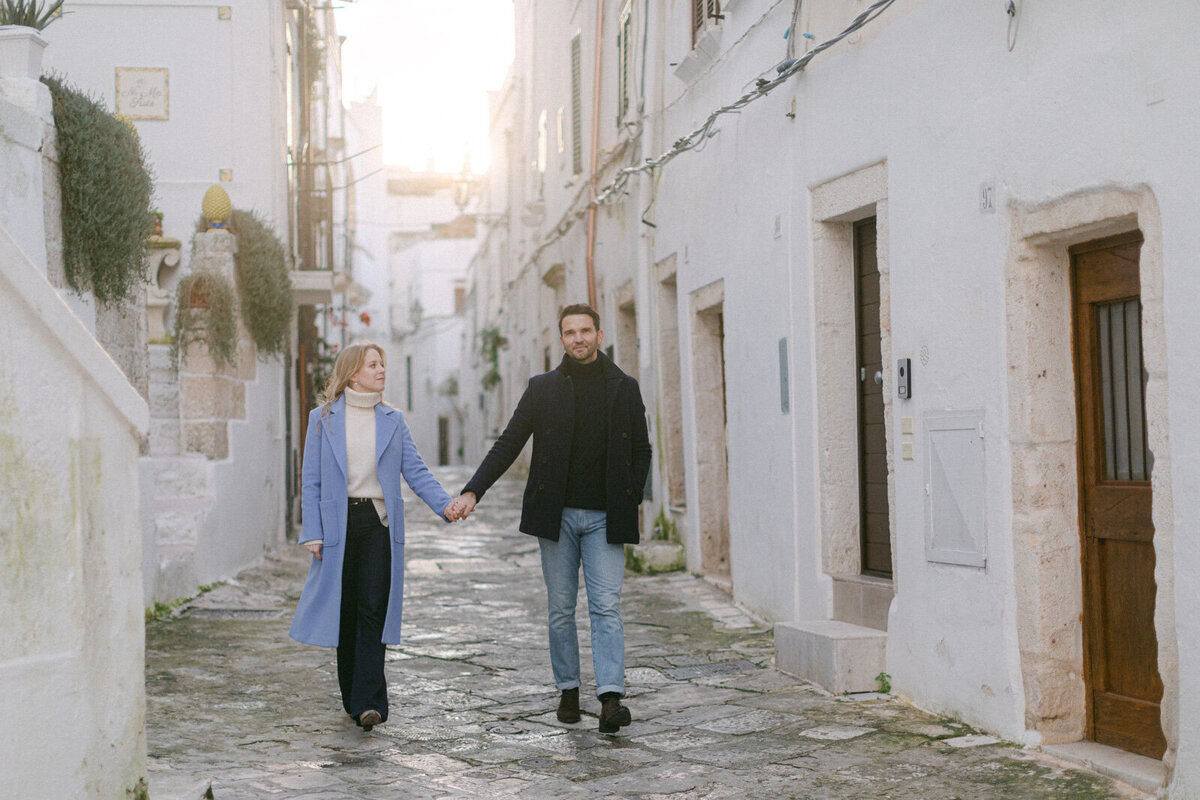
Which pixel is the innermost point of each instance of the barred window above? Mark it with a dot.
(705, 13)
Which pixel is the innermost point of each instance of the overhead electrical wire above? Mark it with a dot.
(698, 137)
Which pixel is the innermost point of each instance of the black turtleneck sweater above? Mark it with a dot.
(589, 443)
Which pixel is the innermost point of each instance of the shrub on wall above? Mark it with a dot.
(205, 312)
(264, 286)
(106, 189)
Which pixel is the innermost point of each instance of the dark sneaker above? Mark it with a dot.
(369, 719)
(568, 706)
(613, 715)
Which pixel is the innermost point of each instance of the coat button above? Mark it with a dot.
(541, 486)
(624, 434)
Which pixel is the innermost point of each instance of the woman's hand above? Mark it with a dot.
(461, 507)
(314, 547)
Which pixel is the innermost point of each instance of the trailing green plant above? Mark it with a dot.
(30, 13)
(490, 343)
(314, 44)
(665, 528)
(106, 189)
(264, 287)
(205, 312)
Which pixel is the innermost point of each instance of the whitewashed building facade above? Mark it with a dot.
(245, 96)
(993, 202)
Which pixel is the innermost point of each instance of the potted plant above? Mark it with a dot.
(21, 44)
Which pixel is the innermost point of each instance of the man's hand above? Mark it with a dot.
(314, 547)
(461, 507)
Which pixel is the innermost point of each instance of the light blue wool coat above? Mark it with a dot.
(324, 501)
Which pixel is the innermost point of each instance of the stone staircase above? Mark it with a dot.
(184, 497)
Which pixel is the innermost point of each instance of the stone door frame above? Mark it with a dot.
(835, 206)
(1043, 439)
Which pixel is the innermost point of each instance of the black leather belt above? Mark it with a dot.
(359, 501)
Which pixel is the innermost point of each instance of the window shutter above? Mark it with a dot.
(624, 56)
(576, 106)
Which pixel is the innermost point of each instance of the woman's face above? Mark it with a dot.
(370, 378)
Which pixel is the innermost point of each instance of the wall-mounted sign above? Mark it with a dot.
(142, 92)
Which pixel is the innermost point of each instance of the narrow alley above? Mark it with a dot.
(235, 705)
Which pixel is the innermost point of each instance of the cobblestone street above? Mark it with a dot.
(234, 704)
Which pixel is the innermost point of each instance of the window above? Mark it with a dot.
(705, 14)
(543, 142)
(624, 56)
(576, 105)
(460, 298)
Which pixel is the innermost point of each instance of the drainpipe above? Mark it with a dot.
(591, 214)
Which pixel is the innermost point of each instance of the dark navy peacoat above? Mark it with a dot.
(546, 412)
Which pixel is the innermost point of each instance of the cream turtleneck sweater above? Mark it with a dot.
(362, 480)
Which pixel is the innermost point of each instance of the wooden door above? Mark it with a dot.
(1121, 649)
(872, 446)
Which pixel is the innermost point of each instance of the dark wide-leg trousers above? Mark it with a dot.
(366, 581)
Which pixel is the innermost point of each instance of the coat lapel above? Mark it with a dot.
(386, 425)
(336, 429)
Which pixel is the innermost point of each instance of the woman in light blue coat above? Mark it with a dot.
(356, 452)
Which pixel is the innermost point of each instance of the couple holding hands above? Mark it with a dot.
(591, 456)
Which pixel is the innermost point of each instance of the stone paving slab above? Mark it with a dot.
(237, 707)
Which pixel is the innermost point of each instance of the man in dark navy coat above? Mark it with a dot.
(591, 455)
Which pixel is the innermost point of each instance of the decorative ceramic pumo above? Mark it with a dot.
(216, 207)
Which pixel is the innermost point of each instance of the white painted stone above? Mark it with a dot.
(837, 656)
(836, 733)
(971, 740)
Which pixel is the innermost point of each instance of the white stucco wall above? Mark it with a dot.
(227, 80)
(1090, 96)
(70, 549)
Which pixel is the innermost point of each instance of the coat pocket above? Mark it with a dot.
(396, 520)
(332, 522)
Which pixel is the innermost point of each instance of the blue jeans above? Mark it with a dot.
(583, 539)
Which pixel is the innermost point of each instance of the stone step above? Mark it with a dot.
(179, 477)
(176, 572)
(181, 522)
(160, 357)
(165, 436)
(838, 656)
(164, 400)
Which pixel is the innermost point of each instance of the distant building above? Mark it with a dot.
(429, 250)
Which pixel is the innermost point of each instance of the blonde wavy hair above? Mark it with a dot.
(347, 364)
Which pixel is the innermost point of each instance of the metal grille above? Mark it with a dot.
(1123, 391)
(576, 105)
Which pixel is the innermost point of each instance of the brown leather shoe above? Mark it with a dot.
(369, 719)
(612, 714)
(568, 706)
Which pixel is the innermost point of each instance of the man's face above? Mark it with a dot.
(579, 337)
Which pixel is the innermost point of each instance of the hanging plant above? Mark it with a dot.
(106, 189)
(264, 286)
(490, 343)
(205, 312)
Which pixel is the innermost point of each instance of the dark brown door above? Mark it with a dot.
(1121, 650)
(872, 446)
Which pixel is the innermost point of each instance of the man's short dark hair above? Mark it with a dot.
(578, 308)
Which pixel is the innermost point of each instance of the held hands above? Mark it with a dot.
(461, 507)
